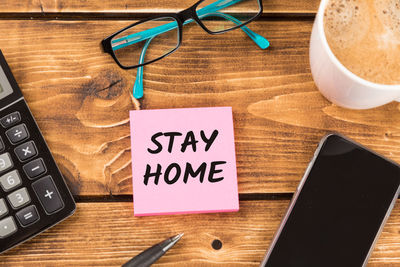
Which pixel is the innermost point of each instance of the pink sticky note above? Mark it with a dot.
(177, 177)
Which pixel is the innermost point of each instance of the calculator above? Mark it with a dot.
(33, 193)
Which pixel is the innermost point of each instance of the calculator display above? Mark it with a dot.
(5, 86)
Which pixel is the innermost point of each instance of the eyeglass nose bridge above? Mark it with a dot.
(189, 13)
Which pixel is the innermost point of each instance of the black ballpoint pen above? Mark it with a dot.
(151, 255)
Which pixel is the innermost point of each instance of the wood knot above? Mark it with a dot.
(216, 244)
(107, 100)
(107, 85)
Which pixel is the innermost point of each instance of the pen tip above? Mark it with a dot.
(177, 237)
(170, 242)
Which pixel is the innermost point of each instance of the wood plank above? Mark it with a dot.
(107, 234)
(81, 100)
(138, 6)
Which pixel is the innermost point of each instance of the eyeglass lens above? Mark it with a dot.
(146, 41)
(222, 15)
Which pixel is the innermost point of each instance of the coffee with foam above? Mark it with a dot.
(365, 37)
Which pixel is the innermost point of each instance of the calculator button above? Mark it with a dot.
(48, 195)
(10, 180)
(26, 151)
(19, 198)
(17, 134)
(5, 162)
(3, 208)
(28, 215)
(34, 168)
(7, 227)
(10, 119)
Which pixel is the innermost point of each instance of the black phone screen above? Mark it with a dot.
(339, 211)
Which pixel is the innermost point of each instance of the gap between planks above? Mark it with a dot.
(129, 198)
(293, 16)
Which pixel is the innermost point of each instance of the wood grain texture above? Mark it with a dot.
(81, 100)
(107, 234)
(137, 6)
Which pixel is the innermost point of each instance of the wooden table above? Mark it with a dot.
(81, 100)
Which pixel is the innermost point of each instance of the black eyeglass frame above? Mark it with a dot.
(180, 17)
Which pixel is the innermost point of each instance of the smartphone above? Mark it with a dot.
(338, 209)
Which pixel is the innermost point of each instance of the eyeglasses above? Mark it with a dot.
(154, 38)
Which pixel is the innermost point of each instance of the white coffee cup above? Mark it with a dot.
(336, 82)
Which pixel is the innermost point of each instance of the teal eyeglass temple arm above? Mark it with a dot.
(143, 35)
(258, 39)
(138, 86)
(205, 11)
